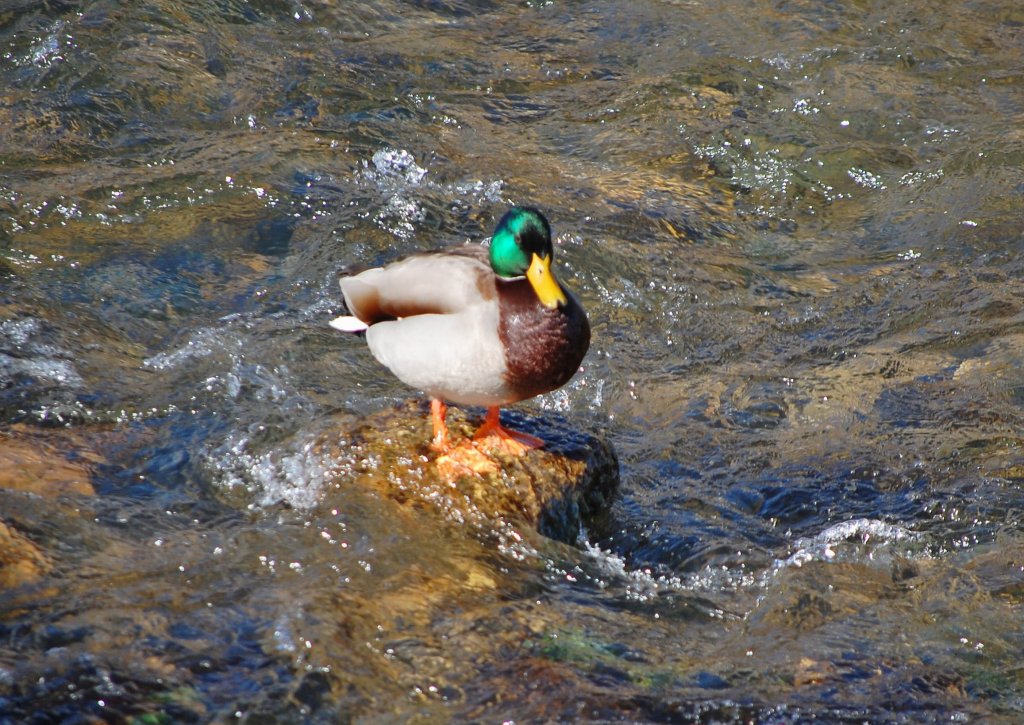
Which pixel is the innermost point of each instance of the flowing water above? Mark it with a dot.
(798, 229)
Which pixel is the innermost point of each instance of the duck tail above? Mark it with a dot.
(347, 323)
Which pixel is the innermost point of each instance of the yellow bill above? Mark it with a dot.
(544, 283)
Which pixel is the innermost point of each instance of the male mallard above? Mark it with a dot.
(473, 325)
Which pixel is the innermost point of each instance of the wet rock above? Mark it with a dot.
(555, 489)
(21, 561)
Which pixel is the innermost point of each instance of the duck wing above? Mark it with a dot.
(447, 281)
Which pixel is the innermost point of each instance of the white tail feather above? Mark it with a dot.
(347, 323)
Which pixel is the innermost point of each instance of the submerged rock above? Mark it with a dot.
(38, 462)
(21, 561)
(555, 489)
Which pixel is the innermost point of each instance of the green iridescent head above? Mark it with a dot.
(521, 233)
(521, 246)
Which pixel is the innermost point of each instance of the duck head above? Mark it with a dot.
(521, 246)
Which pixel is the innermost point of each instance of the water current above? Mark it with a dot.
(797, 227)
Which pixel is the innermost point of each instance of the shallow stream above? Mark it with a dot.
(797, 227)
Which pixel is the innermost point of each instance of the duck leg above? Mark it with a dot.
(454, 461)
(442, 442)
(493, 435)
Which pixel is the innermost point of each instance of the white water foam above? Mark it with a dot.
(645, 584)
(295, 476)
(33, 358)
(863, 532)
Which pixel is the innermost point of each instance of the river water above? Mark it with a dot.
(796, 227)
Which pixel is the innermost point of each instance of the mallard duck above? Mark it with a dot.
(474, 325)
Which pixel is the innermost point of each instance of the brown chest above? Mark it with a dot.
(543, 347)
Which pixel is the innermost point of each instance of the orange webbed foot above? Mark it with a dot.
(455, 460)
(465, 459)
(492, 436)
(470, 458)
